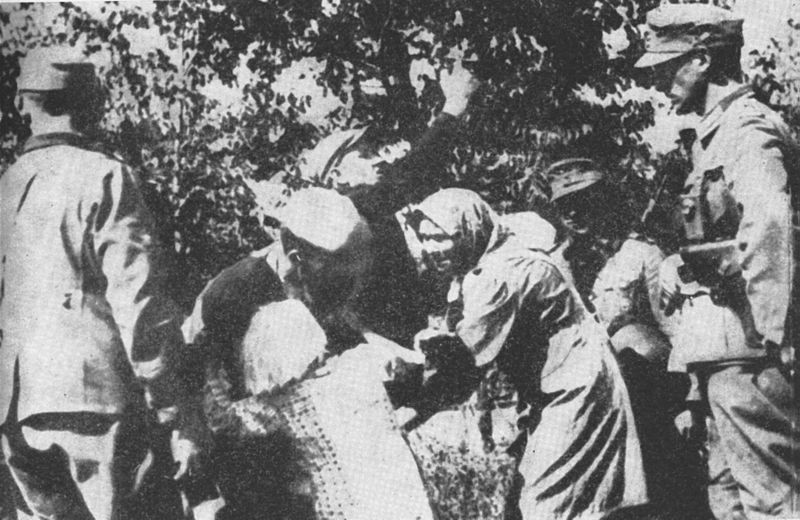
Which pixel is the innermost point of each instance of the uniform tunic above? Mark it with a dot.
(754, 148)
(753, 458)
(79, 314)
(626, 289)
(86, 335)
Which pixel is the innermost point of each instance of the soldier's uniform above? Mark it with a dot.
(626, 289)
(88, 343)
(732, 294)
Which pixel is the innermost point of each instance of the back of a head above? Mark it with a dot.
(324, 219)
(61, 81)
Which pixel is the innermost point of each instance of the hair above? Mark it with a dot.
(83, 105)
(725, 64)
(52, 102)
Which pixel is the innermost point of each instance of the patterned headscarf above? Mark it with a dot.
(463, 216)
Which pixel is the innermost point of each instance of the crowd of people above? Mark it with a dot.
(639, 378)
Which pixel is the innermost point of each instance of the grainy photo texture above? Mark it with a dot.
(399, 260)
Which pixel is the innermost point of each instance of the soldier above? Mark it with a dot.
(587, 229)
(619, 272)
(625, 295)
(731, 285)
(91, 350)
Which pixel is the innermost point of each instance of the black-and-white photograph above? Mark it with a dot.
(400, 260)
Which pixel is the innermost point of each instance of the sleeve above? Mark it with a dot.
(494, 298)
(194, 328)
(653, 258)
(669, 295)
(614, 288)
(126, 252)
(223, 311)
(413, 177)
(765, 231)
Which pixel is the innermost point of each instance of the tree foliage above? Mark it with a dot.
(534, 57)
(774, 73)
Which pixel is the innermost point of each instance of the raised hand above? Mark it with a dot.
(458, 85)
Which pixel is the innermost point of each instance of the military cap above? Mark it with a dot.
(676, 29)
(56, 68)
(325, 219)
(572, 175)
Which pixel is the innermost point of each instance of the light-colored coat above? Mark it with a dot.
(81, 324)
(754, 148)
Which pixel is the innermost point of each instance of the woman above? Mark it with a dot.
(511, 306)
(312, 432)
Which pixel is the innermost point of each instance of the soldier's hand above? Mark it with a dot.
(458, 86)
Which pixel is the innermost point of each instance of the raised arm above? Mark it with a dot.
(423, 169)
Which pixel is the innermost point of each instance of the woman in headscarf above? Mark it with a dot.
(512, 306)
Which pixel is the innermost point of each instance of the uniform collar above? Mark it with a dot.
(36, 142)
(711, 120)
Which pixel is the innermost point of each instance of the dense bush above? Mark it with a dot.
(375, 62)
(377, 57)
